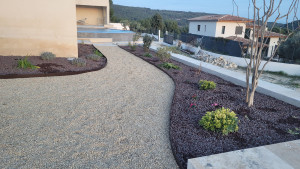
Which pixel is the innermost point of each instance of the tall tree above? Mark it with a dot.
(157, 22)
(263, 10)
(290, 49)
(111, 11)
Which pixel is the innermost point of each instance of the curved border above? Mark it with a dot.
(67, 73)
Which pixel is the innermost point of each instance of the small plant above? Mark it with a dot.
(79, 62)
(206, 85)
(47, 56)
(170, 66)
(296, 132)
(221, 120)
(194, 97)
(163, 54)
(133, 47)
(148, 55)
(25, 64)
(192, 105)
(147, 42)
(97, 52)
(94, 57)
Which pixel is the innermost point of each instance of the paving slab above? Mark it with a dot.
(276, 156)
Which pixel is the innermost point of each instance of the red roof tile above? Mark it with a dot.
(220, 18)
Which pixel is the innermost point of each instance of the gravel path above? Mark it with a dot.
(117, 117)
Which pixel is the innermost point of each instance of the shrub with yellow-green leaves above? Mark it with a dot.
(206, 85)
(221, 120)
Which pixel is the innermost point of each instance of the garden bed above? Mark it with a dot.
(269, 121)
(55, 67)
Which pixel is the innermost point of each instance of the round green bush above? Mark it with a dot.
(94, 57)
(47, 56)
(163, 54)
(79, 62)
(147, 42)
(206, 85)
(221, 120)
(148, 55)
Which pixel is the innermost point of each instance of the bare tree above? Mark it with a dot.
(263, 10)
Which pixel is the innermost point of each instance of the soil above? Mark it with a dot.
(267, 122)
(55, 67)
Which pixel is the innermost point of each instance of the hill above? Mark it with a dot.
(138, 13)
(291, 25)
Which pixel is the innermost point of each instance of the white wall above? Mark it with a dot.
(210, 28)
(291, 69)
(229, 29)
(272, 45)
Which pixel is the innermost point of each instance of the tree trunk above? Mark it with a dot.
(247, 83)
(251, 98)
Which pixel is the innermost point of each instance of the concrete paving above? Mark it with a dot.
(276, 156)
(117, 117)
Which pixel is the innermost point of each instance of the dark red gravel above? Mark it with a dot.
(267, 122)
(55, 67)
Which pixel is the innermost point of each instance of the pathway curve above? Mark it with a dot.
(117, 117)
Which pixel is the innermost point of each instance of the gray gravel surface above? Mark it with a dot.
(117, 117)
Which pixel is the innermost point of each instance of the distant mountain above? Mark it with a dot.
(291, 25)
(137, 13)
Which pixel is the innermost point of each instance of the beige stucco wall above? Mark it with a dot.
(229, 29)
(30, 27)
(94, 3)
(91, 15)
(210, 28)
(214, 29)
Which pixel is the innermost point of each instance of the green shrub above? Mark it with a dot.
(78, 62)
(221, 120)
(24, 64)
(47, 56)
(163, 54)
(94, 57)
(148, 55)
(97, 52)
(206, 85)
(170, 66)
(133, 47)
(147, 42)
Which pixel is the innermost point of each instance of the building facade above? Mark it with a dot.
(34, 26)
(232, 28)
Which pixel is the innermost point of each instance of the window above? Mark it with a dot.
(205, 28)
(247, 33)
(238, 30)
(223, 29)
(199, 27)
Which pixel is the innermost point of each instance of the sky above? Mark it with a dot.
(208, 6)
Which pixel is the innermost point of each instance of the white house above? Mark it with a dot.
(218, 26)
(230, 27)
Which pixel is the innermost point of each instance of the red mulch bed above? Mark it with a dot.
(267, 122)
(55, 67)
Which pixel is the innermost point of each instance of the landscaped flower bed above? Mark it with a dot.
(269, 121)
(49, 65)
